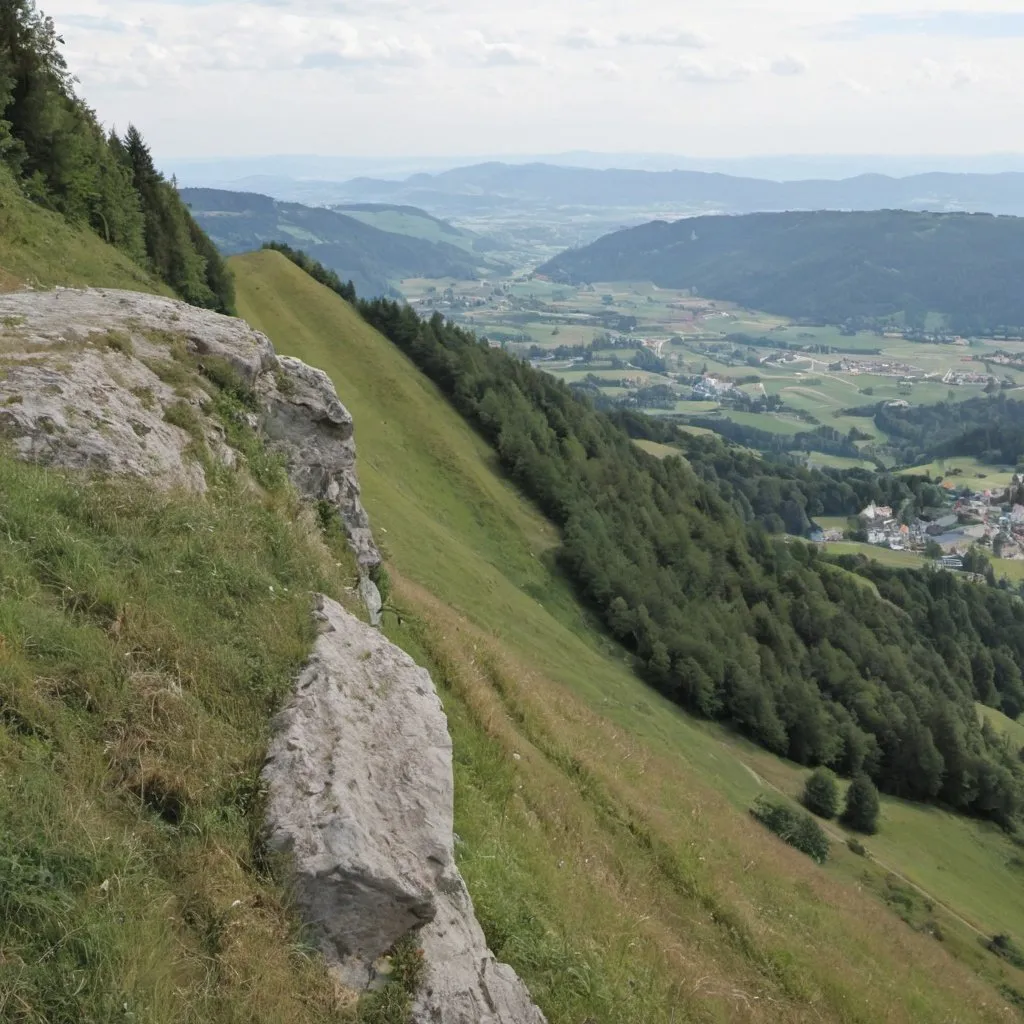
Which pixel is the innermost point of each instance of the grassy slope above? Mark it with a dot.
(39, 248)
(145, 640)
(605, 839)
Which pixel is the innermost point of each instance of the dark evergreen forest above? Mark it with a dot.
(59, 153)
(827, 266)
(799, 653)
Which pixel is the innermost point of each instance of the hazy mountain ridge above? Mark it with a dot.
(547, 183)
(357, 251)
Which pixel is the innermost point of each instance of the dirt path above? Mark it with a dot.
(837, 836)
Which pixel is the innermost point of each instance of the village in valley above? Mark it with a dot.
(992, 521)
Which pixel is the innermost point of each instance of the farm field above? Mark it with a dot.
(832, 522)
(819, 460)
(884, 556)
(605, 833)
(966, 471)
(818, 372)
(661, 451)
(1000, 722)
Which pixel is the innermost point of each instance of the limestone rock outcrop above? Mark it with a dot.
(359, 778)
(87, 381)
(309, 425)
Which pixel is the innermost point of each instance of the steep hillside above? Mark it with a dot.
(154, 607)
(38, 247)
(371, 256)
(604, 834)
(827, 266)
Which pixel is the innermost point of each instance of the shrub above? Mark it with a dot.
(821, 796)
(861, 811)
(792, 826)
(857, 847)
(1004, 946)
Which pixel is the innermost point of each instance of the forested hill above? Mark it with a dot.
(992, 429)
(360, 252)
(58, 154)
(794, 651)
(824, 265)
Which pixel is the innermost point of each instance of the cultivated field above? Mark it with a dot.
(695, 335)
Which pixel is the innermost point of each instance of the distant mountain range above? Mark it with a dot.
(496, 196)
(827, 266)
(229, 172)
(493, 184)
(355, 246)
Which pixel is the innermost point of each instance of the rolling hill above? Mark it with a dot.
(408, 220)
(826, 266)
(353, 246)
(605, 834)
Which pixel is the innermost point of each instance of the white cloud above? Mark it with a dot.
(610, 70)
(498, 54)
(706, 72)
(854, 85)
(788, 66)
(587, 39)
(376, 76)
(676, 38)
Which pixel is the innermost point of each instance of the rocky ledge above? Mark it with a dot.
(91, 380)
(359, 777)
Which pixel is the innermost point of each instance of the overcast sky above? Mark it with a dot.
(455, 77)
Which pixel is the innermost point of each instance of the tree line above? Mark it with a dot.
(55, 147)
(794, 651)
(991, 428)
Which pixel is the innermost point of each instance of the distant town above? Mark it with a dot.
(993, 520)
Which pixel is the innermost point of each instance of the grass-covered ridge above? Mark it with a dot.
(613, 861)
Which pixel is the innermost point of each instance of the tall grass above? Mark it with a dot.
(146, 639)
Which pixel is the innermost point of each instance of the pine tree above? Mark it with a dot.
(168, 236)
(55, 145)
(862, 807)
(821, 795)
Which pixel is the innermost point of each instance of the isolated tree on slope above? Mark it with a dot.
(821, 795)
(861, 805)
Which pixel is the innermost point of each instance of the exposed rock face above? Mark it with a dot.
(84, 384)
(359, 775)
(308, 423)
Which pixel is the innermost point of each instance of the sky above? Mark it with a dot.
(210, 78)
